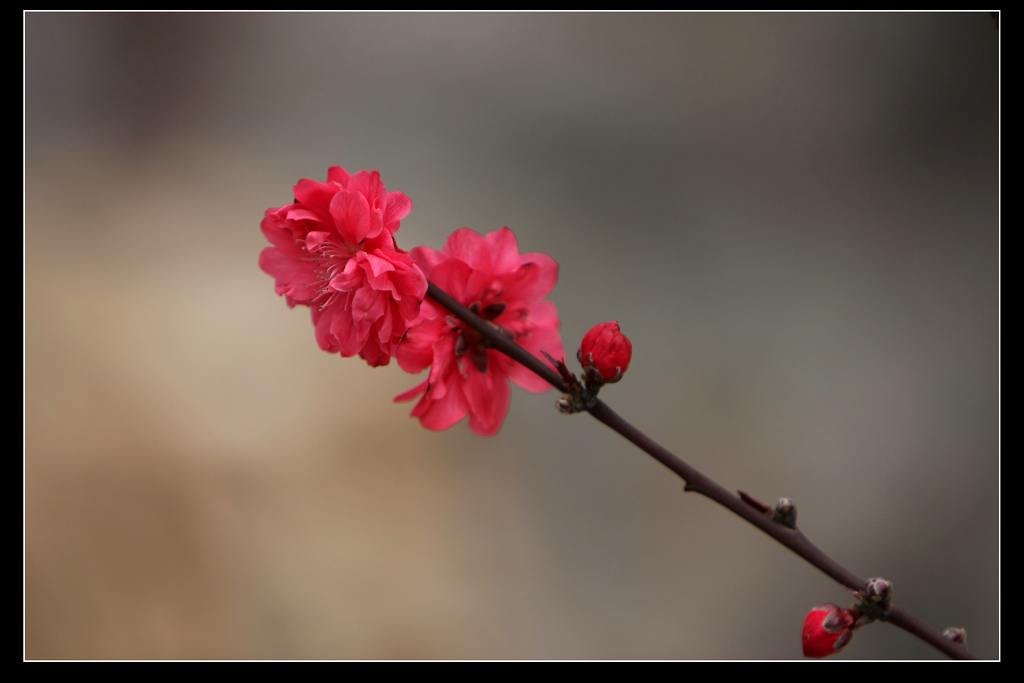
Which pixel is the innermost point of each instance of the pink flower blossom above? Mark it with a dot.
(490, 276)
(334, 251)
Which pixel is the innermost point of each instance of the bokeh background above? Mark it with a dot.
(793, 216)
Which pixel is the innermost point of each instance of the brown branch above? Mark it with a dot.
(695, 481)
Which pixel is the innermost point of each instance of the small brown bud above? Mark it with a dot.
(878, 591)
(875, 599)
(565, 404)
(957, 635)
(785, 513)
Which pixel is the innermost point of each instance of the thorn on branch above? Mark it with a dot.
(757, 505)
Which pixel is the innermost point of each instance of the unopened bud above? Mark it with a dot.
(957, 635)
(606, 350)
(827, 630)
(874, 600)
(785, 513)
(878, 591)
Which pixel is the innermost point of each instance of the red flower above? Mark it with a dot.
(490, 276)
(827, 630)
(607, 349)
(334, 251)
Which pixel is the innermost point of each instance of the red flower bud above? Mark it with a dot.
(827, 630)
(606, 349)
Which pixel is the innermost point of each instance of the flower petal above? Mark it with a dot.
(368, 304)
(521, 283)
(275, 228)
(350, 277)
(412, 393)
(427, 259)
(294, 277)
(464, 244)
(545, 314)
(443, 370)
(368, 184)
(503, 250)
(322, 320)
(398, 207)
(336, 174)
(441, 413)
(378, 266)
(416, 351)
(297, 214)
(312, 194)
(375, 352)
(453, 277)
(548, 275)
(314, 239)
(351, 215)
(386, 325)
(489, 396)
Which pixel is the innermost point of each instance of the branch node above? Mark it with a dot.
(875, 600)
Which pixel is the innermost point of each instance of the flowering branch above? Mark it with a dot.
(780, 524)
(334, 251)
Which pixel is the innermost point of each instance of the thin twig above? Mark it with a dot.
(793, 539)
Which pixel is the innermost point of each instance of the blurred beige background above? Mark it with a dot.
(793, 216)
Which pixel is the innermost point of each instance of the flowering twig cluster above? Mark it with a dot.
(828, 628)
(475, 314)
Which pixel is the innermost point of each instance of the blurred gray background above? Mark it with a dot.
(793, 216)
